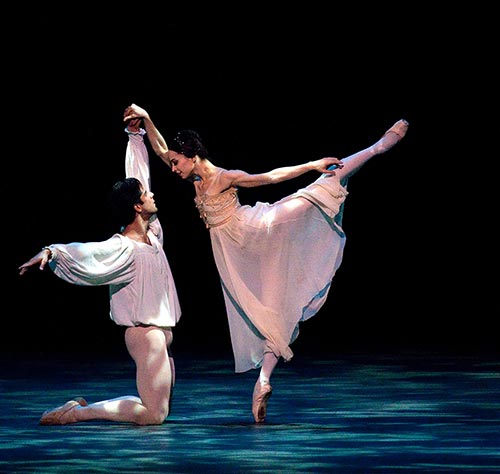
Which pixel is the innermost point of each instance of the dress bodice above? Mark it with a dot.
(217, 209)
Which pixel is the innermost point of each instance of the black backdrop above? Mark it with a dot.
(263, 92)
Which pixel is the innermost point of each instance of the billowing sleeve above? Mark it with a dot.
(94, 263)
(137, 166)
(137, 158)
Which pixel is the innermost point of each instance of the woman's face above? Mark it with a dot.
(181, 165)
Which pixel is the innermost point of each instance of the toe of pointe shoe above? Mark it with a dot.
(261, 395)
(53, 417)
(399, 128)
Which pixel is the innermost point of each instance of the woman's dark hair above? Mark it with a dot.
(122, 198)
(188, 143)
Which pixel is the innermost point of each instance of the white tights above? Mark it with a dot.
(355, 161)
(155, 378)
(268, 364)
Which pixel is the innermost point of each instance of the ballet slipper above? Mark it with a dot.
(54, 416)
(399, 128)
(261, 394)
(81, 401)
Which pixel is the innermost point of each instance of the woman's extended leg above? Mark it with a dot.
(353, 162)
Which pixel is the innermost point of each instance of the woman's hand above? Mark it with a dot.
(323, 164)
(133, 111)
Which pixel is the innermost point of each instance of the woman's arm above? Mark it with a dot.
(157, 141)
(247, 180)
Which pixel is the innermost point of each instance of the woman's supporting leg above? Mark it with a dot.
(262, 389)
(268, 365)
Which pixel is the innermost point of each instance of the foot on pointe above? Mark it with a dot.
(391, 136)
(400, 128)
(55, 416)
(261, 394)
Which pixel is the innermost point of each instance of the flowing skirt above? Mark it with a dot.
(276, 263)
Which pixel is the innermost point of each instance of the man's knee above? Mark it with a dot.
(154, 416)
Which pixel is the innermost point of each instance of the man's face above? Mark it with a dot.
(148, 203)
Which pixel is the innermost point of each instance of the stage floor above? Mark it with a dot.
(411, 413)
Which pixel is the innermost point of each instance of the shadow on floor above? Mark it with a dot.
(338, 414)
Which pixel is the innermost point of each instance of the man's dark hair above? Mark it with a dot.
(122, 198)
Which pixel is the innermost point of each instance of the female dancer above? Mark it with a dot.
(276, 261)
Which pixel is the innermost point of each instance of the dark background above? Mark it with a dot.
(265, 89)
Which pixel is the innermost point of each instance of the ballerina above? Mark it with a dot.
(276, 261)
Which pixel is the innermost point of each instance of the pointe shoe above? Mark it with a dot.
(399, 128)
(53, 417)
(261, 394)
